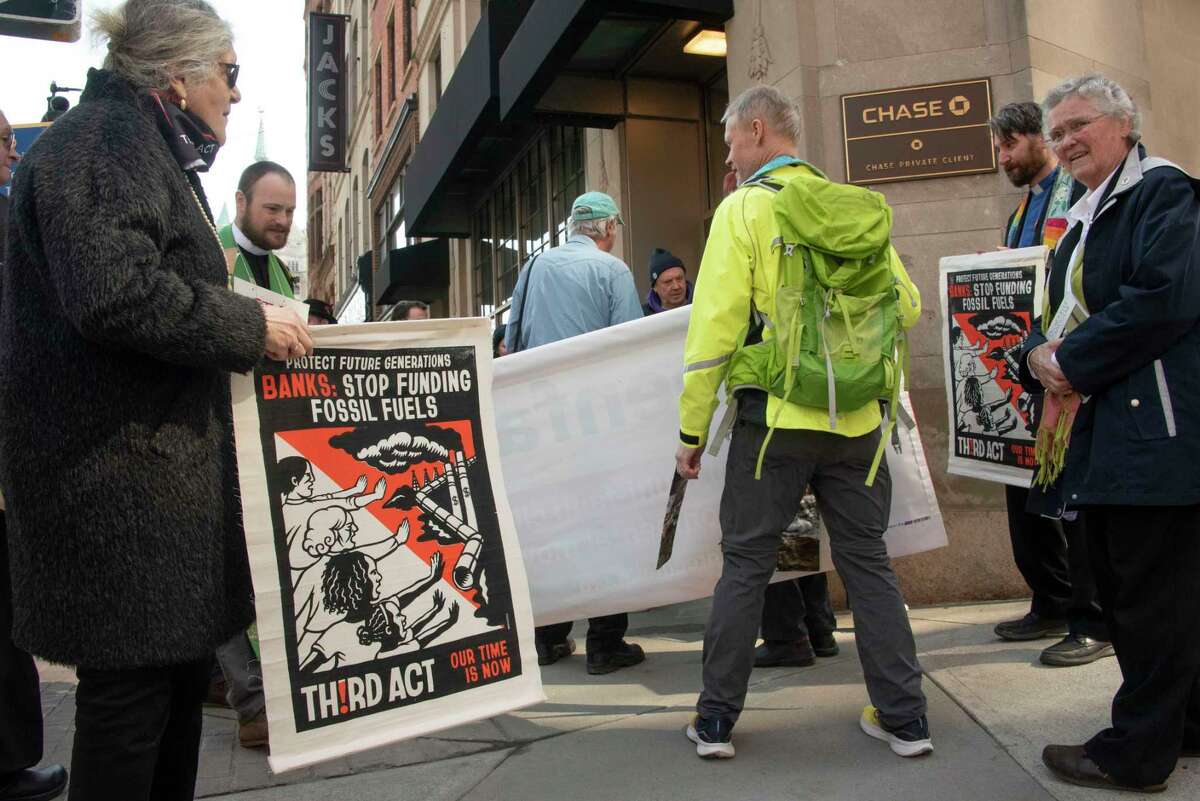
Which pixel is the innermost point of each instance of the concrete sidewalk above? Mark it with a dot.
(992, 708)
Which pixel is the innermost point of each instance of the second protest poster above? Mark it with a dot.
(989, 304)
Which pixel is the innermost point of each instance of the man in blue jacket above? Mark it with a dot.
(573, 289)
(1119, 358)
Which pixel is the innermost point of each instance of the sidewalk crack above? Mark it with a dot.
(488, 775)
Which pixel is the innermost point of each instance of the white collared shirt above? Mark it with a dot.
(1084, 211)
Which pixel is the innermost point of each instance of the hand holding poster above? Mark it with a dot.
(989, 302)
(390, 592)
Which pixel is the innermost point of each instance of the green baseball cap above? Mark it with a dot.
(595, 206)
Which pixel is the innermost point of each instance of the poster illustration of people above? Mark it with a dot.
(391, 597)
(989, 302)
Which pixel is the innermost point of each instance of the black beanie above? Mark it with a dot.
(662, 260)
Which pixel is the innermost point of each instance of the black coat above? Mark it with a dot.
(1137, 438)
(116, 449)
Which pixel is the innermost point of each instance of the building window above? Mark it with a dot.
(355, 228)
(525, 214)
(392, 66)
(341, 245)
(483, 246)
(408, 29)
(566, 174)
(378, 97)
(365, 212)
(364, 16)
(351, 56)
(317, 242)
(393, 235)
(507, 258)
(435, 72)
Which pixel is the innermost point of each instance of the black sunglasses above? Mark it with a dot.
(231, 73)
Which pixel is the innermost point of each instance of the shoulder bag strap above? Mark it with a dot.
(524, 294)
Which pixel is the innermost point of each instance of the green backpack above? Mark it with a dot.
(838, 341)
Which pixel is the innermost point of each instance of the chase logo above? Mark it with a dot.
(959, 105)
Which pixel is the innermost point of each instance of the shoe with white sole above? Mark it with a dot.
(713, 737)
(910, 740)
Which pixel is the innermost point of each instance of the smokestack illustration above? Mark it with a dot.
(464, 485)
(438, 481)
(418, 497)
(456, 506)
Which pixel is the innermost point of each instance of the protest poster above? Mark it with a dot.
(390, 592)
(588, 429)
(989, 302)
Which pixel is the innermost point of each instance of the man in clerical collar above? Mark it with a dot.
(1051, 554)
(266, 203)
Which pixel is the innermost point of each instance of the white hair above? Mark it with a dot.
(768, 104)
(1104, 93)
(596, 229)
(152, 41)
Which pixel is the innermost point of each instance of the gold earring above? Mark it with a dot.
(183, 104)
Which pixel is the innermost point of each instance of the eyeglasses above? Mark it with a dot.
(1070, 128)
(231, 73)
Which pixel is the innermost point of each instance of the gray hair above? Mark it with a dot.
(596, 229)
(768, 104)
(1104, 93)
(152, 41)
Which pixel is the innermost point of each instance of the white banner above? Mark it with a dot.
(391, 597)
(588, 429)
(989, 302)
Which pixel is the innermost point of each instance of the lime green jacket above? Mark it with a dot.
(278, 275)
(739, 265)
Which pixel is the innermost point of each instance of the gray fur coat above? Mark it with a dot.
(116, 453)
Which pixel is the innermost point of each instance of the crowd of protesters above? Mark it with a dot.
(115, 278)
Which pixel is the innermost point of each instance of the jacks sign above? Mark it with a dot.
(327, 93)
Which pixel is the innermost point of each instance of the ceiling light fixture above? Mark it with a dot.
(707, 43)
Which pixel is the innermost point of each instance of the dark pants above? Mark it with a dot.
(137, 733)
(20, 691)
(1146, 560)
(604, 633)
(753, 515)
(793, 610)
(1052, 556)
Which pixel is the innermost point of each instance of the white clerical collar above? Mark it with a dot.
(245, 244)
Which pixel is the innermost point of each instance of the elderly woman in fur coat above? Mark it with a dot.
(116, 453)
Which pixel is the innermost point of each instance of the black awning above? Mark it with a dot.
(486, 114)
(465, 111)
(553, 32)
(417, 272)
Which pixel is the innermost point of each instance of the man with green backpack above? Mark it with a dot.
(800, 309)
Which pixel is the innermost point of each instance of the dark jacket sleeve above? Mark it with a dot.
(102, 230)
(1157, 304)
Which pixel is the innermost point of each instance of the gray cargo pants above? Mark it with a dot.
(243, 676)
(753, 513)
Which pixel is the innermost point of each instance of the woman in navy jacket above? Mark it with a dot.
(1132, 353)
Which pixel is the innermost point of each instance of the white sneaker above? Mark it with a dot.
(910, 740)
(713, 737)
